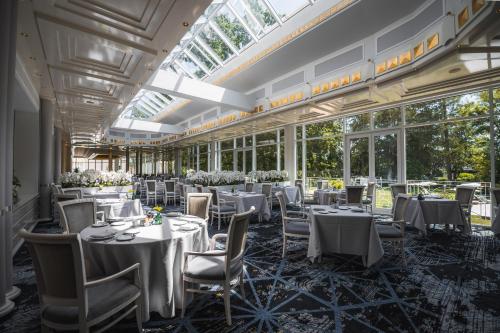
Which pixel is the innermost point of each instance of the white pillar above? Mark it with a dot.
(290, 153)
(47, 109)
(8, 23)
(57, 153)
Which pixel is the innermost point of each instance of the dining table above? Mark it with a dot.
(291, 192)
(105, 195)
(327, 196)
(158, 248)
(435, 210)
(245, 200)
(116, 208)
(343, 230)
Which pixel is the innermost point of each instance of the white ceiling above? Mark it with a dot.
(91, 56)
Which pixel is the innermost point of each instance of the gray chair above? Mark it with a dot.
(398, 189)
(170, 193)
(181, 188)
(151, 191)
(394, 231)
(296, 227)
(198, 204)
(322, 184)
(267, 190)
(68, 301)
(248, 187)
(199, 188)
(78, 192)
(218, 267)
(78, 214)
(221, 209)
(305, 200)
(354, 195)
(60, 197)
(370, 195)
(464, 195)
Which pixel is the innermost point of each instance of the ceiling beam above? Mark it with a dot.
(145, 126)
(179, 85)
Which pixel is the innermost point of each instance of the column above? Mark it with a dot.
(213, 155)
(57, 153)
(162, 161)
(110, 159)
(140, 161)
(47, 110)
(178, 162)
(290, 153)
(154, 162)
(127, 159)
(8, 15)
(137, 161)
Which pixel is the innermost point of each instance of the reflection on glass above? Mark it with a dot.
(387, 118)
(282, 156)
(227, 144)
(203, 162)
(248, 141)
(232, 28)
(239, 161)
(298, 132)
(255, 14)
(357, 123)
(248, 160)
(358, 151)
(239, 142)
(265, 138)
(266, 157)
(203, 57)
(226, 160)
(324, 129)
(300, 172)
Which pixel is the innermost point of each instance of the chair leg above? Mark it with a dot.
(183, 299)
(242, 285)
(138, 314)
(227, 302)
(284, 247)
(218, 221)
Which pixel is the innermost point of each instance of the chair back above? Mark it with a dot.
(77, 214)
(496, 195)
(400, 205)
(199, 188)
(141, 180)
(248, 187)
(151, 185)
(56, 189)
(215, 196)
(281, 200)
(58, 263)
(77, 192)
(370, 190)
(297, 182)
(301, 191)
(464, 195)
(180, 186)
(237, 237)
(198, 204)
(169, 186)
(65, 197)
(354, 194)
(398, 189)
(322, 184)
(267, 189)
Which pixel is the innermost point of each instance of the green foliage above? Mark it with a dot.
(466, 177)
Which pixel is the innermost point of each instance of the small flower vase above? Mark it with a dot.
(420, 196)
(158, 218)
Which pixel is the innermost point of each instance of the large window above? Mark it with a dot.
(203, 157)
(226, 155)
(266, 151)
(324, 149)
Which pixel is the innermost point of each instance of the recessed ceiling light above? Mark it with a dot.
(185, 24)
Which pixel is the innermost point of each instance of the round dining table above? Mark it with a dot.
(158, 248)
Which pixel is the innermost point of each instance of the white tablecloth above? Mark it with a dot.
(244, 201)
(326, 197)
(117, 208)
(291, 192)
(159, 249)
(495, 225)
(345, 232)
(106, 195)
(420, 213)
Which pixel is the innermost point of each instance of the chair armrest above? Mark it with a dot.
(102, 215)
(214, 239)
(295, 219)
(134, 267)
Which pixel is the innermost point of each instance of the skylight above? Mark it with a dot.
(224, 31)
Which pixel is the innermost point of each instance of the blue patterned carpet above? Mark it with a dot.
(451, 284)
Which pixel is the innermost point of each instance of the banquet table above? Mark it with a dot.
(106, 195)
(245, 200)
(158, 248)
(291, 192)
(113, 208)
(495, 225)
(421, 213)
(343, 231)
(326, 196)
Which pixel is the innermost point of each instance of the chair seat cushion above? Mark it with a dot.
(101, 298)
(210, 268)
(389, 231)
(299, 228)
(293, 206)
(224, 209)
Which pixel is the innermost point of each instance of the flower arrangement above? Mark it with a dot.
(268, 176)
(216, 178)
(92, 178)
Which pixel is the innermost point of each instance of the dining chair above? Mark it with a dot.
(370, 195)
(496, 194)
(143, 188)
(353, 195)
(56, 189)
(60, 197)
(68, 301)
(170, 194)
(182, 196)
(218, 267)
(221, 209)
(151, 191)
(267, 190)
(398, 189)
(198, 204)
(322, 184)
(199, 188)
(78, 214)
(464, 195)
(297, 181)
(305, 200)
(78, 192)
(297, 227)
(394, 230)
(248, 187)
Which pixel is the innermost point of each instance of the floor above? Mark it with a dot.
(451, 284)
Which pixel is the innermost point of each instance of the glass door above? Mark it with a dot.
(374, 157)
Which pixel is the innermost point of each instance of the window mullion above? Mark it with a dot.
(195, 60)
(223, 36)
(207, 49)
(252, 16)
(183, 69)
(247, 28)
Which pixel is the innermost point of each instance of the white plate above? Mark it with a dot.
(124, 238)
(132, 231)
(188, 227)
(99, 225)
(179, 222)
(322, 212)
(117, 223)
(102, 236)
(343, 208)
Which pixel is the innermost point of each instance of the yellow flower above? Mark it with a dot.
(158, 208)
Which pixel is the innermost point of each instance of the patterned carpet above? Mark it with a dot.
(451, 284)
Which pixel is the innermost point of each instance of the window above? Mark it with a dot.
(191, 66)
(266, 157)
(267, 138)
(387, 118)
(202, 56)
(286, 8)
(324, 156)
(232, 28)
(255, 14)
(216, 43)
(357, 123)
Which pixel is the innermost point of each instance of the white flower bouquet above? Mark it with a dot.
(268, 176)
(216, 178)
(93, 178)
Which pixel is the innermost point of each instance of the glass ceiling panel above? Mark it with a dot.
(232, 27)
(247, 16)
(216, 43)
(189, 65)
(286, 8)
(205, 58)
